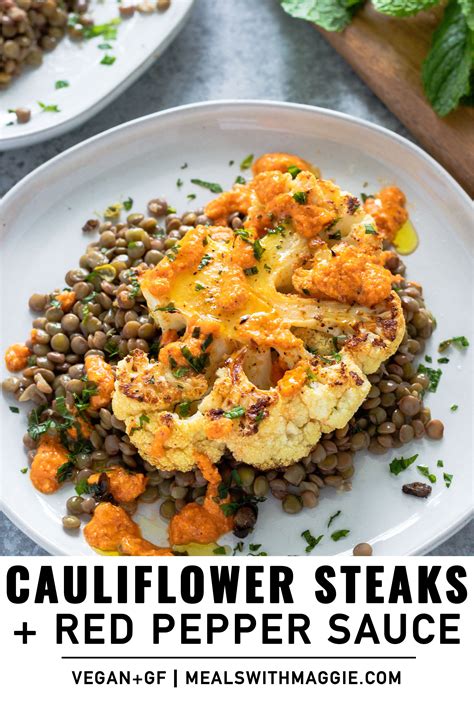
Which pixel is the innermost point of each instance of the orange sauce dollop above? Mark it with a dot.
(112, 529)
(123, 485)
(49, 456)
(100, 373)
(16, 357)
(201, 523)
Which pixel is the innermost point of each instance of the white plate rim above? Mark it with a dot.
(48, 132)
(468, 513)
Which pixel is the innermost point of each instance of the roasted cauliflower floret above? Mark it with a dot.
(268, 332)
(276, 427)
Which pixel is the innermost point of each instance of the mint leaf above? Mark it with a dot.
(402, 8)
(467, 7)
(446, 70)
(331, 15)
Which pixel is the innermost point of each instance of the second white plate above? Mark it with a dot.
(92, 85)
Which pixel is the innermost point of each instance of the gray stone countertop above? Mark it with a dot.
(229, 49)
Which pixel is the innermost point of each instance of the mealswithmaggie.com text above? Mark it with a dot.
(239, 677)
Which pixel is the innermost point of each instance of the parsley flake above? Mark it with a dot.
(300, 197)
(399, 465)
(235, 413)
(108, 59)
(460, 341)
(311, 540)
(213, 187)
(293, 170)
(433, 375)
(333, 517)
(51, 108)
(337, 535)
(424, 471)
(247, 162)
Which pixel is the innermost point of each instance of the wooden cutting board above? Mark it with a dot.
(387, 53)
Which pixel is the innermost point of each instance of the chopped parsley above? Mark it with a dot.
(460, 341)
(334, 357)
(184, 166)
(128, 203)
(311, 540)
(205, 261)
(239, 547)
(230, 508)
(433, 375)
(108, 59)
(447, 479)
(370, 230)
(258, 250)
(220, 550)
(213, 187)
(443, 360)
(179, 183)
(135, 286)
(191, 196)
(440, 463)
(207, 342)
(333, 517)
(254, 549)
(424, 471)
(247, 162)
(364, 196)
(76, 447)
(293, 170)
(199, 287)
(82, 487)
(173, 252)
(107, 30)
(141, 420)
(169, 308)
(235, 413)
(82, 401)
(399, 465)
(183, 408)
(61, 84)
(251, 271)
(453, 408)
(428, 359)
(24, 470)
(51, 108)
(104, 45)
(240, 180)
(337, 535)
(180, 372)
(300, 197)
(197, 363)
(14, 409)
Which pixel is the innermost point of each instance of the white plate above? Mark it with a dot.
(42, 217)
(140, 40)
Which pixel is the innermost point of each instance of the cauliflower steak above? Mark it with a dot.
(268, 331)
